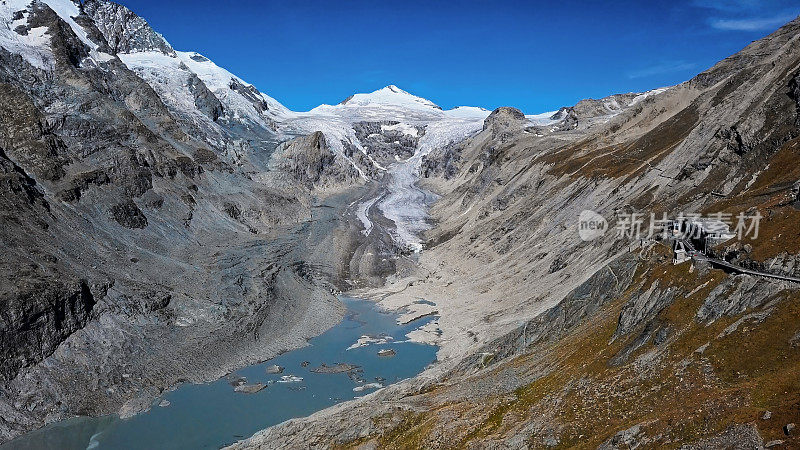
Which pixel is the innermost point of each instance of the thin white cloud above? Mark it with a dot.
(729, 5)
(751, 24)
(665, 67)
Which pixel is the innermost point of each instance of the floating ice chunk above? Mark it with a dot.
(290, 379)
(365, 340)
(366, 386)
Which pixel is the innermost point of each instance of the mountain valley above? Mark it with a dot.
(165, 222)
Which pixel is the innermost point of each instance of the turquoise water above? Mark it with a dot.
(213, 415)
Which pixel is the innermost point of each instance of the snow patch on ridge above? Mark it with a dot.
(542, 119)
(35, 47)
(644, 95)
(169, 77)
(219, 80)
(66, 10)
(467, 112)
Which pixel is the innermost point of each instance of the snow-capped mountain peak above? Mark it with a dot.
(390, 95)
(210, 98)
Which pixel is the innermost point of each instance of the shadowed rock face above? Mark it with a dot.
(35, 320)
(204, 99)
(129, 215)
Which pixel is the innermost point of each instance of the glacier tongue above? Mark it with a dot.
(405, 203)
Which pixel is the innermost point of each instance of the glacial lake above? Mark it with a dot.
(213, 415)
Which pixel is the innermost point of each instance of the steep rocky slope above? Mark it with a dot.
(137, 252)
(548, 340)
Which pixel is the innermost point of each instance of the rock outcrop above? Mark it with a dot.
(388, 141)
(124, 31)
(309, 161)
(504, 120)
(39, 312)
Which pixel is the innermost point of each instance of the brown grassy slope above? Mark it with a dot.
(578, 398)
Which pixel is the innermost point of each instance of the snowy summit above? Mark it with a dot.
(389, 95)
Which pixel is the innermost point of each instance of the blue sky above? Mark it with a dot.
(536, 56)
